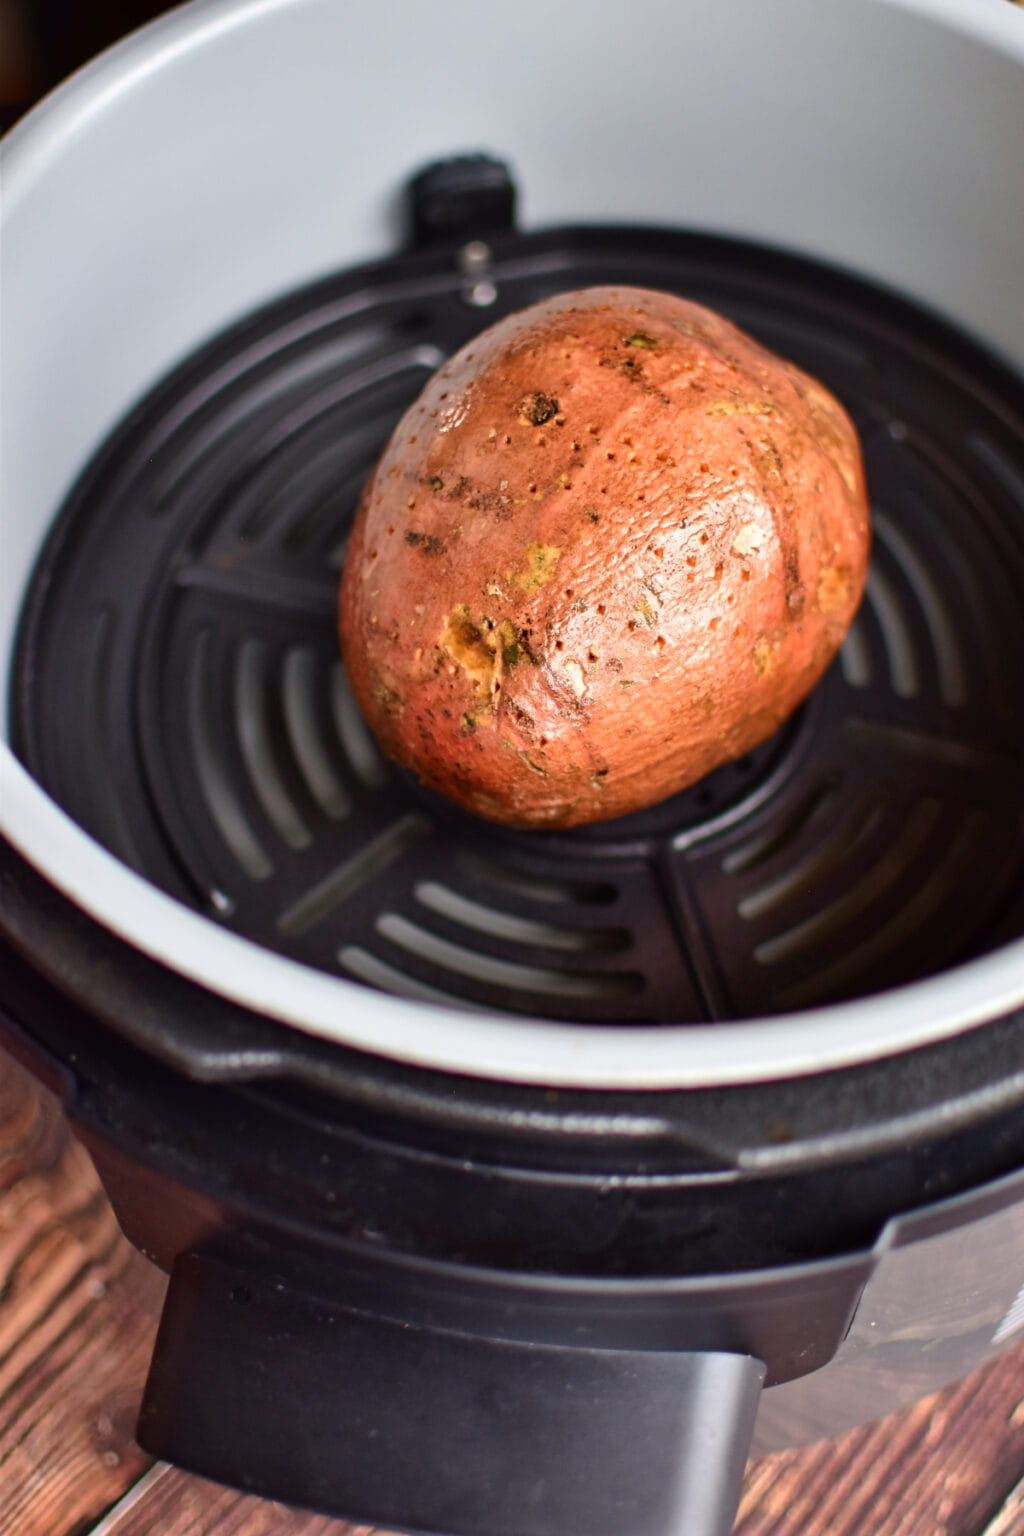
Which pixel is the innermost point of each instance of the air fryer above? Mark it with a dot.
(513, 1182)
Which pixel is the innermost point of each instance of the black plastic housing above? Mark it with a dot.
(438, 1431)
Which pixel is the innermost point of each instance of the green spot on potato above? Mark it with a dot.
(514, 648)
(541, 560)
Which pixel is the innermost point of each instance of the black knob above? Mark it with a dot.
(461, 199)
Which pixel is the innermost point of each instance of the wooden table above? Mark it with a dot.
(78, 1309)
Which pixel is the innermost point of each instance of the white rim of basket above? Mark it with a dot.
(427, 1035)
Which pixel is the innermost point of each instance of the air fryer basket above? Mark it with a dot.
(178, 687)
(150, 206)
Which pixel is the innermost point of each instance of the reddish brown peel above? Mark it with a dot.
(612, 546)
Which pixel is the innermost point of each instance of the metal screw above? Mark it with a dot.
(473, 257)
(480, 294)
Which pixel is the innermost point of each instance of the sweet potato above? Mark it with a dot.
(612, 546)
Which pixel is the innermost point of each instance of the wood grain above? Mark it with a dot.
(172, 1503)
(939, 1469)
(78, 1310)
(1010, 1519)
(76, 1321)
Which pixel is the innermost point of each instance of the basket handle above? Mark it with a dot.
(259, 1385)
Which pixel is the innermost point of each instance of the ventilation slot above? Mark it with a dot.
(300, 679)
(819, 868)
(908, 921)
(368, 967)
(358, 745)
(533, 889)
(827, 924)
(516, 930)
(787, 828)
(212, 776)
(486, 968)
(896, 635)
(257, 750)
(949, 661)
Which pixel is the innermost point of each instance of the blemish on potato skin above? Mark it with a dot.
(513, 644)
(490, 501)
(427, 543)
(522, 719)
(541, 560)
(389, 699)
(533, 767)
(748, 540)
(576, 677)
(537, 408)
(467, 643)
(740, 408)
(833, 588)
(645, 614)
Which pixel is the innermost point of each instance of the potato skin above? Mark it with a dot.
(613, 545)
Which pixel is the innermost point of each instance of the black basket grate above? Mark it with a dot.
(178, 688)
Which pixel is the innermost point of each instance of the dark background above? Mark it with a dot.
(43, 41)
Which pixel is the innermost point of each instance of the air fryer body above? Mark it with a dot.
(603, 1169)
